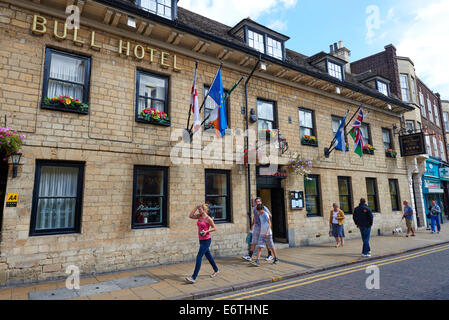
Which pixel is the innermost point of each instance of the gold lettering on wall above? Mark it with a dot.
(175, 67)
(75, 37)
(41, 22)
(151, 54)
(92, 41)
(55, 31)
(120, 47)
(164, 56)
(138, 48)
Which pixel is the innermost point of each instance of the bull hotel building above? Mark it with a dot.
(96, 184)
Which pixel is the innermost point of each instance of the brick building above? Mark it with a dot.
(97, 185)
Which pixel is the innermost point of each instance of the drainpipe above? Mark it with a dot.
(247, 137)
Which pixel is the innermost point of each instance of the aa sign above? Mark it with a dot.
(11, 199)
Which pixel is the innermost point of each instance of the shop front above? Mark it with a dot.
(433, 187)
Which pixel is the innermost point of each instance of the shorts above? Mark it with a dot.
(265, 241)
(409, 223)
(255, 238)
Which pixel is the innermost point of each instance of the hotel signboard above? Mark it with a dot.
(412, 144)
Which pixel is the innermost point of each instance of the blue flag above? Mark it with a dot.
(218, 116)
(340, 136)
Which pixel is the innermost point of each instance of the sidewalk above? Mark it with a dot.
(167, 282)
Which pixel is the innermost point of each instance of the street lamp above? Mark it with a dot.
(15, 159)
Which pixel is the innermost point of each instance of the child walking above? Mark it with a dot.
(266, 236)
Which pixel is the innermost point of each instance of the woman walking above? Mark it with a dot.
(205, 227)
(336, 224)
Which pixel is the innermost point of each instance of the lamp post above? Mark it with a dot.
(15, 160)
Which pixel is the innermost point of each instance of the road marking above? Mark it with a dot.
(336, 273)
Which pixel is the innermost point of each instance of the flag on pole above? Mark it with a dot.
(340, 136)
(194, 104)
(356, 134)
(218, 114)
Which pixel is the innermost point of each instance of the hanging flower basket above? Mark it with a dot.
(300, 166)
(368, 149)
(65, 103)
(10, 143)
(309, 141)
(390, 153)
(151, 115)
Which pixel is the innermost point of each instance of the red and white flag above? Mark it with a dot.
(194, 105)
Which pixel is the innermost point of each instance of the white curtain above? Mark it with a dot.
(69, 69)
(58, 211)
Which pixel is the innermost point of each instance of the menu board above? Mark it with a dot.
(297, 199)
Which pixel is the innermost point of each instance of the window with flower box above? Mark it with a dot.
(388, 143)
(266, 118)
(150, 197)
(152, 98)
(307, 128)
(66, 82)
(218, 188)
(57, 198)
(366, 134)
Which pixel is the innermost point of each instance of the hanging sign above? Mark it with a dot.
(412, 144)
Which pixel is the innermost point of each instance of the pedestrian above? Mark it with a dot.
(255, 230)
(363, 218)
(435, 216)
(265, 236)
(336, 224)
(408, 216)
(205, 227)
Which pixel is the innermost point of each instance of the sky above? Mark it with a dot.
(418, 29)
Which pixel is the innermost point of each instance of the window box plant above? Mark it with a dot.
(390, 153)
(151, 115)
(368, 149)
(309, 141)
(65, 103)
(10, 143)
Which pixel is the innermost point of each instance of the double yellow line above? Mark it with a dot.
(328, 275)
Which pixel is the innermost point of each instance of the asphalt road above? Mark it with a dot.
(417, 275)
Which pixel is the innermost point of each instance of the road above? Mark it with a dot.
(417, 275)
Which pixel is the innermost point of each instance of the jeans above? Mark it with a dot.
(365, 231)
(433, 220)
(204, 250)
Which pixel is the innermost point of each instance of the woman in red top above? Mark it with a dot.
(205, 227)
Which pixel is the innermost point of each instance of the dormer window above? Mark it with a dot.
(335, 70)
(382, 87)
(163, 8)
(274, 48)
(255, 41)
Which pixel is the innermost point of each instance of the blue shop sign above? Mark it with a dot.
(432, 186)
(432, 170)
(444, 173)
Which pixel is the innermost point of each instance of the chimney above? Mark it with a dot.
(342, 53)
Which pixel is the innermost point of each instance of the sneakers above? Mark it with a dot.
(247, 258)
(190, 280)
(255, 263)
(214, 274)
(366, 255)
(269, 258)
(276, 260)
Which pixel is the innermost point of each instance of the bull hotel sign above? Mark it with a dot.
(140, 52)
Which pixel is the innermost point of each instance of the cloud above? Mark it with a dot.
(278, 25)
(230, 12)
(425, 41)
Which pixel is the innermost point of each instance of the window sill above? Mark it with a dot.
(64, 109)
(310, 144)
(147, 226)
(158, 123)
(388, 155)
(313, 216)
(53, 233)
(222, 221)
(370, 152)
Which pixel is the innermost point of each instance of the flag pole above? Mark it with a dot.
(190, 108)
(327, 151)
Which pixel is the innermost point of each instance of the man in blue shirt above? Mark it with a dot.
(408, 216)
(435, 212)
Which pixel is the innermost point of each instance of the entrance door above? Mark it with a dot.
(278, 213)
(3, 180)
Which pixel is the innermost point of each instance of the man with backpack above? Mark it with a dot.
(363, 218)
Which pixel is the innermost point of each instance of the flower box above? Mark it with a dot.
(390, 153)
(10, 143)
(151, 115)
(368, 149)
(66, 104)
(309, 141)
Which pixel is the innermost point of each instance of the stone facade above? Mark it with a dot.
(110, 143)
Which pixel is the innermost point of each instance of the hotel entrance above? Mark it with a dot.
(269, 189)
